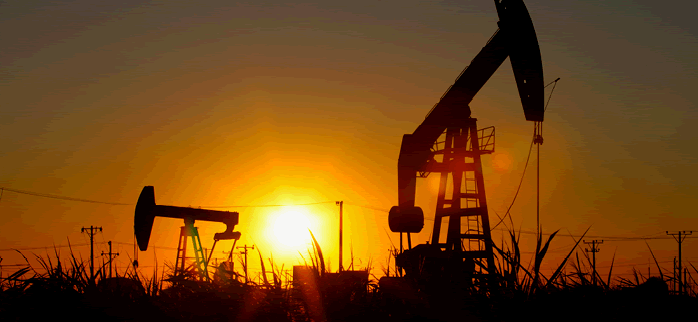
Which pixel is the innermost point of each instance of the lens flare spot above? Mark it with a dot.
(501, 162)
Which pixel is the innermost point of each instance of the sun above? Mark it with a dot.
(290, 229)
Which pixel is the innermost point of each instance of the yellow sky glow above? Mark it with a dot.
(217, 103)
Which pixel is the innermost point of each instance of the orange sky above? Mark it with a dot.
(283, 103)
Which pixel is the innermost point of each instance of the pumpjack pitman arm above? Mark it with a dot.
(516, 39)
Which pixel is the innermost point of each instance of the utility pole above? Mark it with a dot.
(340, 204)
(111, 257)
(679, 236)
(594, 249)
(91, 232)
(244, 251)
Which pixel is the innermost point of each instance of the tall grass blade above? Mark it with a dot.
(27, 260)
(303, 257)
(564, 262)
(613, 259)
(694, 268)
(540, 253)
(18, 274)
(655, 261)
(351, 248)
(264, 272)
(318, 250)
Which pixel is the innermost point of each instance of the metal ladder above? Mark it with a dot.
(199, 256)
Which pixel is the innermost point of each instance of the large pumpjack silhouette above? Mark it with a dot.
(466, 254)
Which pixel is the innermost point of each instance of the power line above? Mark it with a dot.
(517, 189)
(155, 247)
(37, 194)
(46, 195)
(609, 238)
(44, 247)
(551, 93)
(367, 207)
(264, 206)
(52, 196)
(634, 264)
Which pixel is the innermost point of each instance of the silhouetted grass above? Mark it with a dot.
(63, 288)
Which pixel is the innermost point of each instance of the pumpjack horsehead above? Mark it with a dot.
(449, 143)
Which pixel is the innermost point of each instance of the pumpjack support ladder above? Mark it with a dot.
(462, 199)
(188, 230)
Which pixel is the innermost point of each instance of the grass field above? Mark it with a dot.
(513, 293)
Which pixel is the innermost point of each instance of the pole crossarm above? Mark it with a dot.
(91, 232)
(594, 249)
(680, 236)
(244, 252)
(111, 257)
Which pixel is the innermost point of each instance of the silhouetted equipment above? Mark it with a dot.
(147, 210)
(594, 249)
(341, 215)
(244, 252)
(461, 197)
(111, 257)
(318, 290)
(91, 232)
(680, 236)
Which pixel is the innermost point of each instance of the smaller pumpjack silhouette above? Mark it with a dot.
(147, 210)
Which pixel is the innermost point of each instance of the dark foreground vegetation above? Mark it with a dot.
(515, 293)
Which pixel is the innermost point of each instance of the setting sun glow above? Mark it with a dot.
(290, 229)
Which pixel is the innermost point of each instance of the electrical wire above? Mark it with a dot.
(265, 206)
(530, 148)
(551, 94)
(367, 207)
(46, 195)
(44, 247)
(610, 238)
(555, 81)
(132, 244)
(527, 158)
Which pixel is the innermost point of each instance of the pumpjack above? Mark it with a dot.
(448, 142)
(147, 210)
